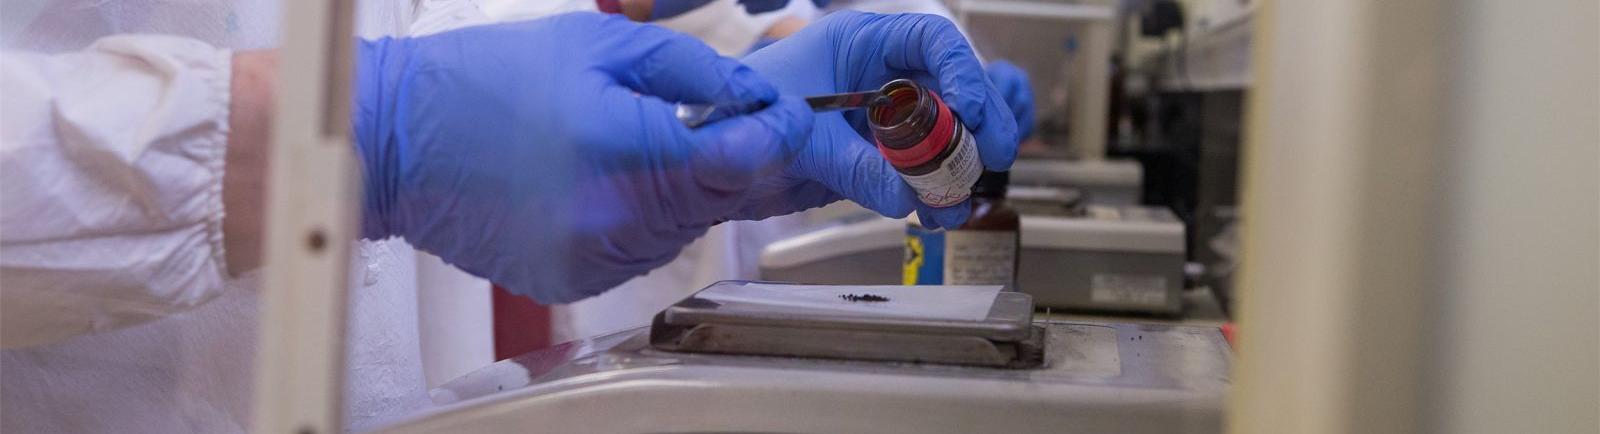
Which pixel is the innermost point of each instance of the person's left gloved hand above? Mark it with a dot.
(851, 51)
(1013, 84)
(545, 155)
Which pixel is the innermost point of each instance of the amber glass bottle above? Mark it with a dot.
(983, 251)
(925, 141)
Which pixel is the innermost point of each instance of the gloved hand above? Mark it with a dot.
(541, 155)
(851, 51)
(1017, 91)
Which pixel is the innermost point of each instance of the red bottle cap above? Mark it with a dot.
(938, 138)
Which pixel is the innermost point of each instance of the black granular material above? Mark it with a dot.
(869, 298)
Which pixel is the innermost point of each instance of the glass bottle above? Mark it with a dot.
(984, 251)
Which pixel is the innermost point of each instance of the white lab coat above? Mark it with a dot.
(113, 274)
(115, 305)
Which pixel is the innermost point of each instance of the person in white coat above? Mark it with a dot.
(131, 173)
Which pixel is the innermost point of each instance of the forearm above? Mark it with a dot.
(244, 181)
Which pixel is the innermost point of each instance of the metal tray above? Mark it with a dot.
(1005, 338)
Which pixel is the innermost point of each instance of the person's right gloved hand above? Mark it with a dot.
(850, 51)
(545, 156)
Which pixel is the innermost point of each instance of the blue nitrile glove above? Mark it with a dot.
(851, 51)
(1017, 91)
(541, 155)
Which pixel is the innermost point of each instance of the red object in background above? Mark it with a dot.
(1227, 333)
(609, 6)
(520, 325)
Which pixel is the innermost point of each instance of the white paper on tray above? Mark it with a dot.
(964, 303)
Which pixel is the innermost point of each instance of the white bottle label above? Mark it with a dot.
(952, 181)
(980, 257)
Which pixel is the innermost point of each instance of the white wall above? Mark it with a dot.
(1422, 208)
(1518, 326)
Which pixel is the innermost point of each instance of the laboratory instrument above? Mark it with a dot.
(1070, 74)
(882, 323)
(1110, 259)
(1060, 377)
(1077, 257)
(1104, 182)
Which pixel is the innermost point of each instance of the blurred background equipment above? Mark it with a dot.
(1182, 70)
(1073, 257)
(1065, 47)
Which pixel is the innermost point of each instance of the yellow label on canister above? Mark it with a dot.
(913, 261)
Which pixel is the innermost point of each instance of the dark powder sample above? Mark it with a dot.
(871, 298)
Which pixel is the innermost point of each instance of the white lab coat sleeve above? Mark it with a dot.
(930, 7)
(111, 163)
